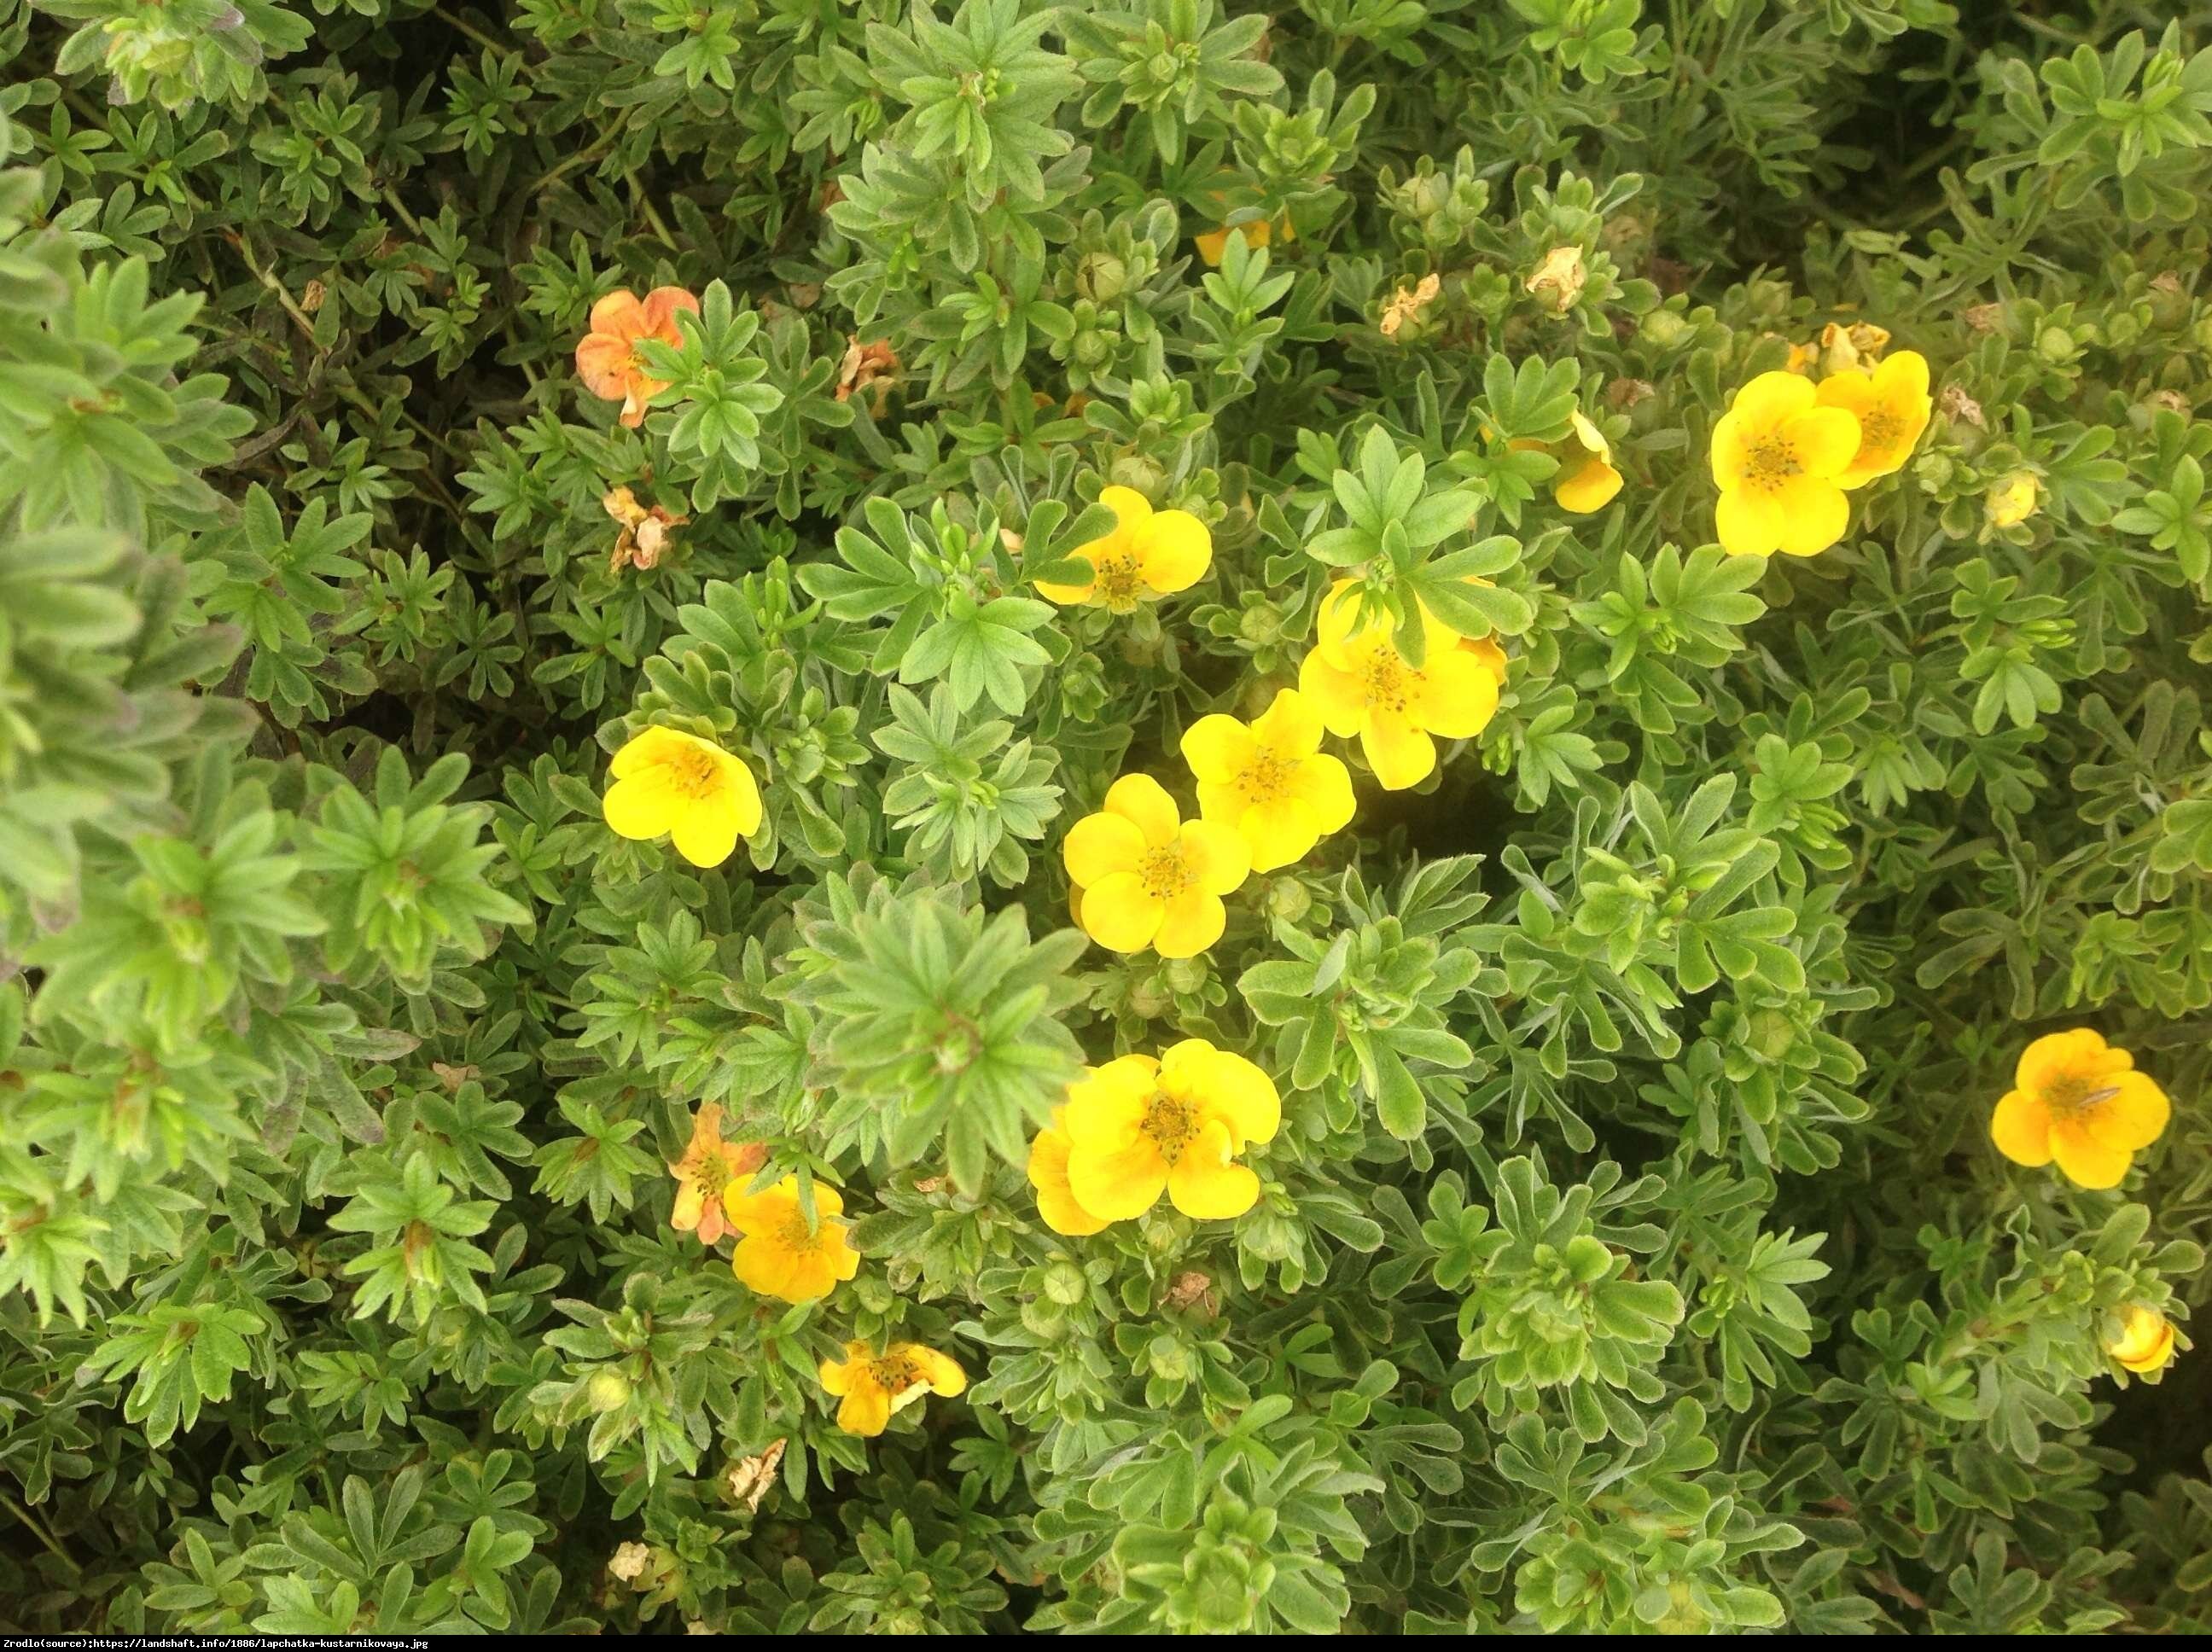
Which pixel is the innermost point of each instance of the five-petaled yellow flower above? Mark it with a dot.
(1149, 877)
(1363, 686)
(1148, 553)
(709, 1164)
(1779, 459)
(1056, 1202)
(2079, 1101)
(607, 359)
(1268, 780)
(2145, 1343)
(1893, 406)
(1136, 1128)
(779, 1255)
(873, 1385)
(666, 781)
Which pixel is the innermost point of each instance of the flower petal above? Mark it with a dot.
(2059, 1055)
(1206, 1184)
(1174, 550)
(2020, 1127)
(1278, 832)
(1057, 1205)
(1121, 914)
(1824, 439)
(1241, 1094)
(940, 1372)
(1218, 748)
(1334, 693)
(1748, 523)
(866, 1412)
(1324, 784)
(1590, 486)
(706, 832)
(1130, 508)
(1400, 754)
(763, 1265)
(1456, 697)
(2136, 1116)
(1814, 515)
(2088, 1160)
(1119, 1182)
(1768, 400)
(1215, 855)
(1143, 800)
(1099, 846)
(643, 806)
(1190, 923)
(1290, 726)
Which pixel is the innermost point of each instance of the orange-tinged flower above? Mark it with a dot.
(1268, 780)
(1363, 686)
(1138, 1127)
(1893, 406)
(1780, 459)
(875, 1385)
(2145, 1343)
(1148, 877)
(1148, 553)
(2078, 1100)
(779, 1254)
(666, 781)
(1055, 1201)
(607, 359)
(709, 1164)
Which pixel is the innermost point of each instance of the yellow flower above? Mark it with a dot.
(701, 796)
(1136, 1128)
(1893, 406)
(1055, 1200)
(779, 1255)
(1268, 781)
(1362, 685)
(1149, 877)
(873, 1385)
(2012, 500)
(709, 1164)
(2080, 1102)
(1258, 233)
(1779, 460)
(1150, 553)
(607, 360)
(2145, 1343)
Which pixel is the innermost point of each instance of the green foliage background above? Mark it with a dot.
(1634, 1255)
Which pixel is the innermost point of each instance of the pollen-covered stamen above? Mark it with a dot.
(1389, 681)
(1268, 778)
(1163, 874)
(694, 771)
(2071, 1094)
(1769, 463)
(1878, 427)
(1117, 582)
(1170, 1123)
(798, 1236)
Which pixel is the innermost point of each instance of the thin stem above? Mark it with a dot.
(461, 26)
(38, 1530)
(652, 216)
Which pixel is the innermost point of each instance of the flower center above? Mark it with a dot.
(2071, 1094)
(894, 1373)
(798, 1236)
(1169, 1124)
(1117, 583)
(693, 771)
(1878, 428)
(1268, 778)
(1162, 873)
(709, 1173)
(1770, 462)
(1389, 681)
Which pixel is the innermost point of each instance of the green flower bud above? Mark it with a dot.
(606, 1390)
(1101, 277)
(1065, 1284)
(1288, 899)
(1663, 328)
(1169, 1360)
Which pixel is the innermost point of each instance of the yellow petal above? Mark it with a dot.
(1218, 748)
(1206, 1184)
(939, 1371)
(1190, 923)
(1131, 508)
(866, 1412)
(1400, 754)
(1324, 784)
(1590, 486)
(1338, 621)
(1240, 1093)
(1098, 846)
(1334, 693)
(2020, 1127)
(2088, 1161)
(743, 795)
(763, 1265)
(1749, 524)
(1215, 855)
(1120, 1182)
(2135, 1117)
(706, 832)
(1055, 1200)
(1278, 832)
(1145, 801)
(1727, 455)
(1768, 400)
(643, 806)
(1814, 515)
(837, 1375)
(1456, 697)
(649, 748)
(1290, 726)
(1174, 550)
(1904, 375)
(1120, 914)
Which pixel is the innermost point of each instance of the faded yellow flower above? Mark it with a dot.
(2145, 1343)
(1558, 280)
(709, 1164)
(1407, 303)
(2011, 501)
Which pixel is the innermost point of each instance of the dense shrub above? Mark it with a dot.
(1394, 814)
